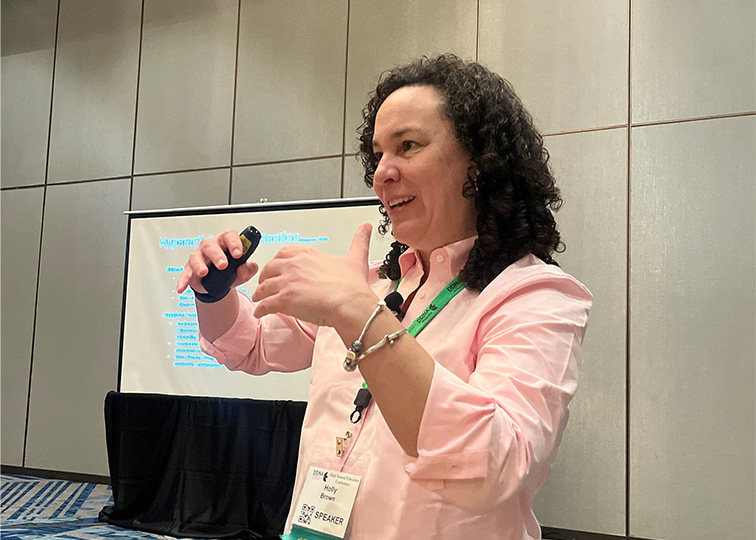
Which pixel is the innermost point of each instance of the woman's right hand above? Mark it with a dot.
(211, 250)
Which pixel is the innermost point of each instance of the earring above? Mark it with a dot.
(472, 175)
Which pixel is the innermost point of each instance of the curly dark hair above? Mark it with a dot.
(514, 193)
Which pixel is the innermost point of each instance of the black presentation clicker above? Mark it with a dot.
(218, 282)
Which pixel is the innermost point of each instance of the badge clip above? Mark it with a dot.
(342, 443)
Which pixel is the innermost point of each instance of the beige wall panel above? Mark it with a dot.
(299, 181)
(181, 190)
(392, 32)
(186, 89)
(586, 490)
(354, 178)
(566, 60)
(78, 325)
(21, 221)
(290, 90)
(28, 45)
(692, 330)
(95, 90)
(692, 58)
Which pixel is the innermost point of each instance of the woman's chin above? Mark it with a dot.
(401, 234)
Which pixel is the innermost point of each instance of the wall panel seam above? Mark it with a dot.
(584, 130)
(41, 233)
(88, 180)
(83, 180)
(477, 31)
(136, 105)
(27, 186)
(649, 123)
(628, 263)
(692, 119)
(182, 171)
(233, 105)
(344, 112)
(281, 161)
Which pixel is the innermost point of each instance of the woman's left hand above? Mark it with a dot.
(313, 286)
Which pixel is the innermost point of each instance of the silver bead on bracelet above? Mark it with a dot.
(353, 353)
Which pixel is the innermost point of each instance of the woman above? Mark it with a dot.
(468, 409)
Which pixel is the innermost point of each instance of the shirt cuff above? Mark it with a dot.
(231, 348)
(455, 433)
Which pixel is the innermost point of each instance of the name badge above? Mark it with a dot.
(326, 501)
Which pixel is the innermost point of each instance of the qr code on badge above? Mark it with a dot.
(305, 516)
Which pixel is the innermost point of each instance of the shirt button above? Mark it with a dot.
(439, 258)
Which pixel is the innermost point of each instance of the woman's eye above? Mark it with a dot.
(408, 145)
(378, 155)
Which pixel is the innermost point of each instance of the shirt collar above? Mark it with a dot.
(451, 257)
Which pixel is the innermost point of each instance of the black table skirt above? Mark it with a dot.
(201, 467)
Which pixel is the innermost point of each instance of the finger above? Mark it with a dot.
(230, 241)
(214, 252)
(267, 288)
(360, 248)
(197, 265)
(183, 281)
(210, 250)
(273, 268)
(193, 271)
(262, 309)
(270, 302)
(246, 272)
(188, 278)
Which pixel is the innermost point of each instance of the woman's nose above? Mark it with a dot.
(386, 171)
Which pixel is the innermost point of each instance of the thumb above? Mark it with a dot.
(246, 272)
(360, 248)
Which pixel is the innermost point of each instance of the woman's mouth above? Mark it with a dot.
(398, 202)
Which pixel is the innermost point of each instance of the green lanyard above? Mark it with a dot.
(452, 289)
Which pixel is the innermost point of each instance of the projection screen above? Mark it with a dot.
(159, 341)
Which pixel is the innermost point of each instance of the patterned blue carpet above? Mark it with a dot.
(36, 508)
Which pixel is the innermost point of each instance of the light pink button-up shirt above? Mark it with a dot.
(506, 369)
